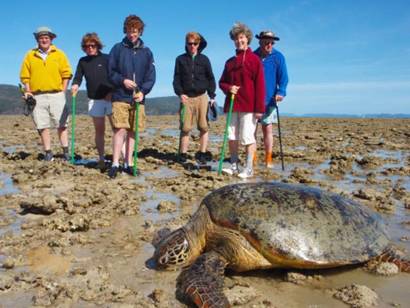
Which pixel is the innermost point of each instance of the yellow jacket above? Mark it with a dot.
(45, 75)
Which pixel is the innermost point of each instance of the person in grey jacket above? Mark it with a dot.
(193, 82)
(132, 72)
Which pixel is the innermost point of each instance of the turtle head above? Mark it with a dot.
(173, 251)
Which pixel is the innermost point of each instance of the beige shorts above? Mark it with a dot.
(196, 111)
(123, 116)
(242, 127)
(51, 110)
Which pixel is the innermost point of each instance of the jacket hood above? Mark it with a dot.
(139, 44)
(202, 45)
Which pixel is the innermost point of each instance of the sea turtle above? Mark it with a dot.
(249, 226)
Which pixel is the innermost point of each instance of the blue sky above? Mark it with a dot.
(342, 56)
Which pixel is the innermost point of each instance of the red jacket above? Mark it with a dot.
(244, 70)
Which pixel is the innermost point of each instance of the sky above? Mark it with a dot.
(343, 57)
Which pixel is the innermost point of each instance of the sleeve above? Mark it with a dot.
(282, 77)
(224, 83)
(65, 68)
(79, 73)
(149, 76)
(260, 90)
(177, 78)
(25, 70)
(211, 79)
(114, 74)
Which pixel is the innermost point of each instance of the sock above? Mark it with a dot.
(234, 158)
(48, 151)
(249, 161)
(115, 165)
(268, 158)
(65, 150)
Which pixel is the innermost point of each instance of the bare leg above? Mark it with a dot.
(130, 141)
(63, 136)
(268, 143)
(184, 143)
(118, 142)
(203, 141)
(45, 138)
(99, 125)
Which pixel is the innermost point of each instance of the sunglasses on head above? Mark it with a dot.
(192, 43)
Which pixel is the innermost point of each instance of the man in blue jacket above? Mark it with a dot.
(132, 72)
(276, 81)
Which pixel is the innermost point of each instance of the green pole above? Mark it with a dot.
(181, 120)
(74, 99)
(228, 122)
(137, 111)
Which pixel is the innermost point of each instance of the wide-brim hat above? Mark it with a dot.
(44, 31)
(267, 35)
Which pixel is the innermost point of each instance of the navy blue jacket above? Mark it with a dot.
(125, 60)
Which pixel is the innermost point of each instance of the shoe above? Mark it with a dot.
(101, 165)
(201, 157)
(183, 157)
(48, 156)
(113, 172)
(268, 160)
(66, 157)
(246, 173)
(130, 170)
(232, 170)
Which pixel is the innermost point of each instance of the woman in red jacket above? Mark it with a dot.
(243, 77)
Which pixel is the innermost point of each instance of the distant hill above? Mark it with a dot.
(11, 103)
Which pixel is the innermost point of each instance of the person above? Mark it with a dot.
(276, 81)
(193, 78)
(94, 67)
(131, 70)
(243, 77)
(45, 73)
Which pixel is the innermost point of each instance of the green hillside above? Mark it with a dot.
(11, 102)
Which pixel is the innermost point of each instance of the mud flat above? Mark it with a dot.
(71, 237)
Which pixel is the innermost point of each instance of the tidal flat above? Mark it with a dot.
(72, 237)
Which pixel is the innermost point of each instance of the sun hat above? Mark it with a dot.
(267, 34)
(44, 31)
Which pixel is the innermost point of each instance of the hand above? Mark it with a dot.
(27, 94)
(212, 101)
(138, 97)
(278, 98)
(129, 84)
(258, 115)
(74, 89)
(234, 89)
(184, 98)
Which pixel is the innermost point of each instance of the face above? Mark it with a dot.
(266, 45)
(44, 42)
(90, 48)
(133, 35)
(172, 251)
(241, 42)
(192, 46)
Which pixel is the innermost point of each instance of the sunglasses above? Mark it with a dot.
(90, 46)
(268, 43)
(192, 43)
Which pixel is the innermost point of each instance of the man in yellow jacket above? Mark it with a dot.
(45, 73)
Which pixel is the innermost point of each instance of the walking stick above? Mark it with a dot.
(280, 138)
(182, 115)
(137, 109)
(228, 122)
(74, 99)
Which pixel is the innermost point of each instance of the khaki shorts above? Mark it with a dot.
(242, 127)
(196, 111)
(51, 110)
(123, 116)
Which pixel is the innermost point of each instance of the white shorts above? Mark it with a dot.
(242, 127)
(269, 117)
(51, 110)
(99, 108)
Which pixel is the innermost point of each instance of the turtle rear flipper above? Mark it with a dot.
(202, 282)
(392, 255)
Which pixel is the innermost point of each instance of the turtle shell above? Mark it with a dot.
(299, 226)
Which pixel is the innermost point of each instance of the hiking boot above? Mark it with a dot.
(232, 170)
(48, 156)
(201, 157)
(66, 157)
(101, 165)
(113, 172)
(183, 157)
(246, 173)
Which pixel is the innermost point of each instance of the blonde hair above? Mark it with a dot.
(193, 35)
(240, 28)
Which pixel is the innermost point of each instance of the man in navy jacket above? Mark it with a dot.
(132, 72)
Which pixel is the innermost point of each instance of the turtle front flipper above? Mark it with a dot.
(202, 282)
(391, 255)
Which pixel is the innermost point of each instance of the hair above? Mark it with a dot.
(193, 35)
(240, 28)
(91, 37)
(133, 22)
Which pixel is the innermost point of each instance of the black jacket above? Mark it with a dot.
(95, 71)
(193, 76)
